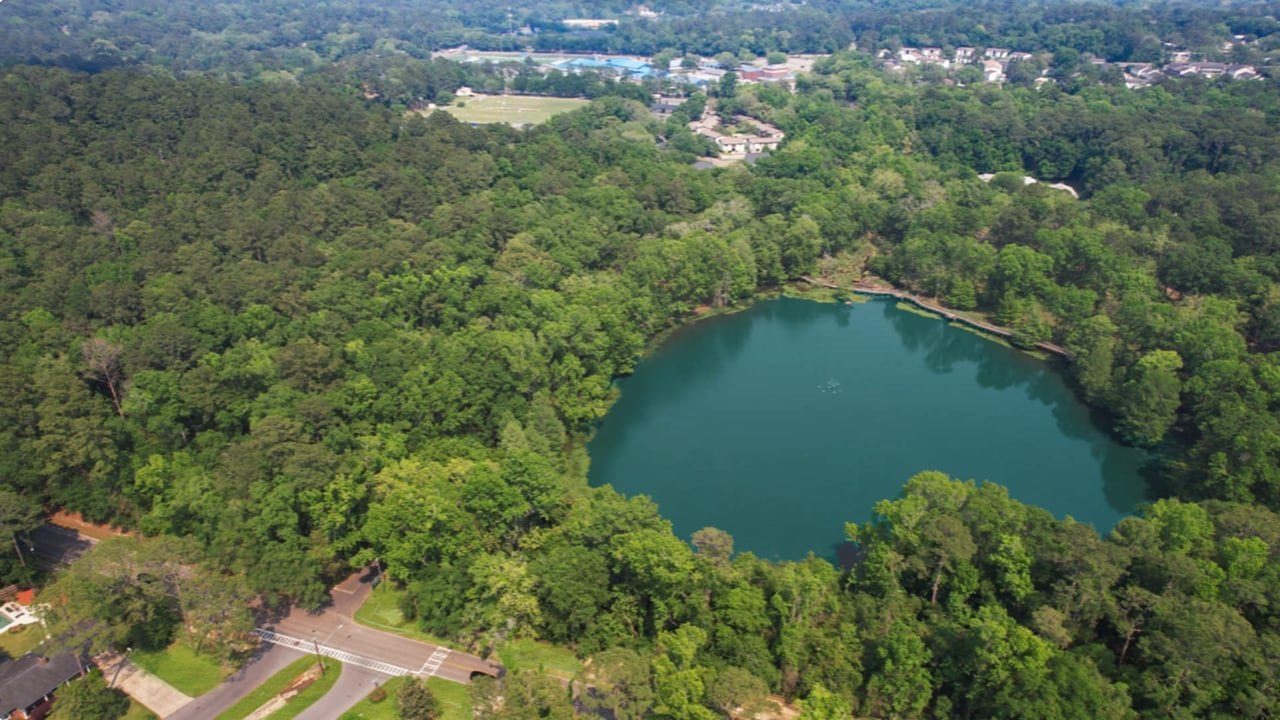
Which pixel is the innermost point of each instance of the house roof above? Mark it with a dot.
(23, 682)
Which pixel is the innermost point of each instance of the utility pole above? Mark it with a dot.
(16, 545)
(319, 657)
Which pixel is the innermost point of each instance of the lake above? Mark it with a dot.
(781, 423)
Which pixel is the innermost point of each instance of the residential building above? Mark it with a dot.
(589, 23)
(28, 684)
(993, 71)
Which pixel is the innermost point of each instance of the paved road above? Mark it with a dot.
(269, 660)
(335, 629)
(352, 687)
(59, 545)
(335, 632)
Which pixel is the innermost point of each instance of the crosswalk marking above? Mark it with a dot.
(342, 655)
(433, 663)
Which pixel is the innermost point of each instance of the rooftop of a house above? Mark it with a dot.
(23, 682)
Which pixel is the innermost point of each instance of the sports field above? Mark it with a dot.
(511, 109)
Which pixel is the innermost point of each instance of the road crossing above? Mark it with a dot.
(310, 646)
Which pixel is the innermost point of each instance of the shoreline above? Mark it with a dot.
(868, 289)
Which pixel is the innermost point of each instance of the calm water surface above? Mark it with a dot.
(781, 423)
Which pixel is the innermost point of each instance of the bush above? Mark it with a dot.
(416, 702)
(89, 697)
(378, 695)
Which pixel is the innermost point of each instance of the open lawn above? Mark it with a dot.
(384, 709)
(17, 644)
(382, 610)
(137, 711)
(311, 695)
(279, 682)
(555, 661)
(455, 703)
(510, 109)
(181, 667)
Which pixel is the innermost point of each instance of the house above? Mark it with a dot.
(1019, 56)
(27, 685)
(917, 56)
(765, 139)
(1242, 72)
(589, 23)
(665, 105)
(996, 53)
(1196, 69)
(964, 54)
(728, 144)
(993, 71)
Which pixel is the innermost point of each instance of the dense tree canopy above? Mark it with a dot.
(300, 330)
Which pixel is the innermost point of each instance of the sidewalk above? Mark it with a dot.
(157, 695)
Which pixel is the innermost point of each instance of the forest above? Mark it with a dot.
(282, 330)
(290, 38)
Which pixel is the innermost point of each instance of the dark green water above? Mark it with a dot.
(781, 423)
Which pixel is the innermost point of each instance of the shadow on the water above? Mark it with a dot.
(795, 316)
(847, 555)
(686, 370)
(943, 347)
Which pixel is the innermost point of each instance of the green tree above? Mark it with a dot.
(619, 681)
(735, 691)
(1092, 344)
(89, 697)
(901, 687)
(1148, 401)
(18, 516)
(415, 701)
(822, 704)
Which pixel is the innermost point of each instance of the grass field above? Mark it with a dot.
(385, 709)
(382, 610)
(138, 712)
(17, 644)
(280, 681)
(181, 667)
(511, 109)
(310, 695)
(555, 661)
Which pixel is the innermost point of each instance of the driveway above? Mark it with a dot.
(157, 695)
(58, 545)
